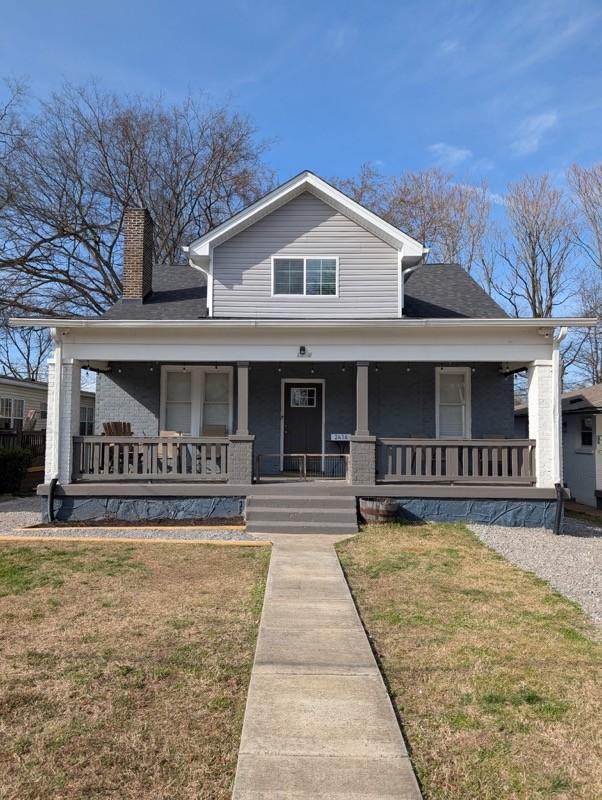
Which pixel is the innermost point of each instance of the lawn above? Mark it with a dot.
(496, 677)
(124, 668)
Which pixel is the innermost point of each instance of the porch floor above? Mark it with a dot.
(124, 488)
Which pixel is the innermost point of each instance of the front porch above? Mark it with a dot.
(362, 424)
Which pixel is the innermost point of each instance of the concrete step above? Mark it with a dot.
(273, 526)
(301, 514)
(301, 501)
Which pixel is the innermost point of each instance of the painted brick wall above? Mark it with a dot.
(402, 402)
(129, 393)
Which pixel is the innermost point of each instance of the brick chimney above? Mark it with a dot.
(138, 254)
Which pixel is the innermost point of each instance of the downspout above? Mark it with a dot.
(557, 415)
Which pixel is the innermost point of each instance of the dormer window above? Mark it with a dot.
(310, 276)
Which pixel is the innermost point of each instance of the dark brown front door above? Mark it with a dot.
(303, 417)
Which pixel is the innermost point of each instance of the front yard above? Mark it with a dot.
(124, 668)
(496, 677)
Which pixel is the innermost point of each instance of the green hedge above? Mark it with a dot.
(14, 464)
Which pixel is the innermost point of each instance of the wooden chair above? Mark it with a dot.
(117, 428)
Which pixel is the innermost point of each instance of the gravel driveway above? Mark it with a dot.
(571, 562)
(24, 511)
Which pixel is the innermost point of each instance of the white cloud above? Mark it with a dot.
(448, 46)
(341, 37)
(531, 131)
(449, 156)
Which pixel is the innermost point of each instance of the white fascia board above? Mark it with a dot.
(307, 181)
(545, 324)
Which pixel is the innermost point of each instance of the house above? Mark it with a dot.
(581, 438)
(21, 399)
(24, 408)
(305, 357)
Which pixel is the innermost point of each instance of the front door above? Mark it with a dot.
(302, 417)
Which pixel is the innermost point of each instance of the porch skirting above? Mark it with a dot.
(522, 506)
(509, 513)
(145, 509)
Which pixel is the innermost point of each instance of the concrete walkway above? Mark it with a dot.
(318, 722)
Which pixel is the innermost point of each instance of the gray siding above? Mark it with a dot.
(579, 463)
(242, 266)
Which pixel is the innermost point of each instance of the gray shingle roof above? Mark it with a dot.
(179, 292)
(431, 290)
(447, 290)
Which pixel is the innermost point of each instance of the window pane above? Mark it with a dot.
(18, 409)
(5, 407)
(288, 276)
(178, 386)
(321, 276)
(217, 387)
(451, 387)
(216, 414)
(177, 417)
(451, 421)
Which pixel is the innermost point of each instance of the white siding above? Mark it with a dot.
(32, 397)
(305, 226)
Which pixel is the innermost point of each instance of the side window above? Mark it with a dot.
(587, 431)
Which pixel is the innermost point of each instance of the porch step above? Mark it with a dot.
(298, 514)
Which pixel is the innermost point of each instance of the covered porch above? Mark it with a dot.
(241, 423)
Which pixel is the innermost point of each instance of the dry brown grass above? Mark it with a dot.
(124, 668)
(497, 678)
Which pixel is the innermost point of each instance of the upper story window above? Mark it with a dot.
(309, 276)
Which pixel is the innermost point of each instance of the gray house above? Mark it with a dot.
(305, 357)
(581, 440)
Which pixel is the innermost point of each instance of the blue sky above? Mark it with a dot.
(495, 88)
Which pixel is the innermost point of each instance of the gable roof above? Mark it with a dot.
(447, 291)
(413, 251)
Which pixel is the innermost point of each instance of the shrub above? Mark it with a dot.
(14, 463)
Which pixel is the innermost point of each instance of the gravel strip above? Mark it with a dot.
(136, 533)
(571, 562)
(25, 511)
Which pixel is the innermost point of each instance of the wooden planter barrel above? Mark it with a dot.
(379, 509)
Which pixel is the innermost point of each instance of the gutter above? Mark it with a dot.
(544, 325)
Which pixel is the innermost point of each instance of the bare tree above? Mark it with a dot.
(86, 156)
(24, 352)
(534, 250)
(451, 219)
(586, 183)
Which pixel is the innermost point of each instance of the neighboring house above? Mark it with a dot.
(581, 442)
(305, 349)
(21, 400)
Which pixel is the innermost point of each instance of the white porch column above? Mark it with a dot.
(63, 416)
(544, 426)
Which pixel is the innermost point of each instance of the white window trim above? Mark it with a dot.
(466, 371)
(197, 394)
(11, 416)
(304, 259)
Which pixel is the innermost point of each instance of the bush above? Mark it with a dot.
(14, 464)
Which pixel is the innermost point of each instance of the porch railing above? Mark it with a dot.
(478, 461)
(35, 441)
(165, 458)
(301, 466)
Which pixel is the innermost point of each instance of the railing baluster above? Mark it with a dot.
(486, 461)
